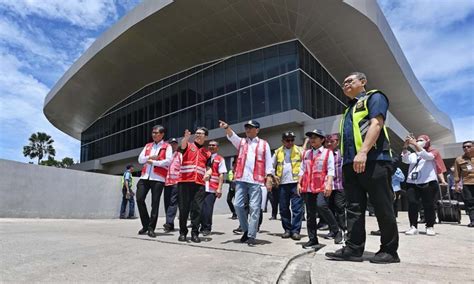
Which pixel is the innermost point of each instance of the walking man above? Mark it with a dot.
(127, 194)
(464, 172)
(365, 148)
(253, 170)
(155, 158)
(171, 186)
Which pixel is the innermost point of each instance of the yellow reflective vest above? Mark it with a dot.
(361, 123)
(295, 158)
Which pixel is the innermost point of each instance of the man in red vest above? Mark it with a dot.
(196, 159)
(253, 170)
(215, 179)
(171, 187)
(155, 158)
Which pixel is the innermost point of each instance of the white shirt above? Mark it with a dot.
(426, 167)
(330, 164)
(222, 169)
(250, 160)
(149, 174)
(287, 174)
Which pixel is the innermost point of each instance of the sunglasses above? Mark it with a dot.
(290, 140)
(467, 146)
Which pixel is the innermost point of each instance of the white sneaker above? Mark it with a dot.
(412, 231)
(430, 231)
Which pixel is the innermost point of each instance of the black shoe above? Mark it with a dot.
(237, 231)
(310, 244)
(470, 225)
(234, 217)
(343, 254)
(143, 231)
(168, 228)
(251, 242)
(296, 236)
(330, 236)
(375, 233)
(244, 238)
(338, 238)
(132, 217)
(182, 238)
(272, 218)
(384, 257)
(195, 238)
(122, 217)
(206, 233)
(286, 235)
(151, 234)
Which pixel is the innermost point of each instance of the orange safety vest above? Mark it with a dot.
(173, 172)
(214, 181)
(315, 171)
(259, 166)
(193, 166)
(161, 171)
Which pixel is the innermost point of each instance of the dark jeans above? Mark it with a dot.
(190, 198)
(143, 187)
(171, 203)
(289, 194)
(374, 181)
(230, 196)
(275, 200)
(395, 202)
(317, 204)
(427, 193)
(207, 211)
(468, 195)
(125, 201)
(337, 204)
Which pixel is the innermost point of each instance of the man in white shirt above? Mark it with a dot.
(155, 158)
(253, 170)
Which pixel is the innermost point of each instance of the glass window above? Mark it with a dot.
(245, 105)
(274, 95)
(192, 98)
(230, 76)
(258, 100)
(293, 91)
(287, 53)
(183, 99)
(243, 70)
(284, 92)
(209, 115)
(256, 66)
(174, 98)
(219, 80)
(271, 61)
(221, 110)
(232, 108)
(208, 84)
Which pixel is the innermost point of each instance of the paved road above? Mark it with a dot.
(49, 250)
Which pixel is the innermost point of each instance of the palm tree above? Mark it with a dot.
(40, 145)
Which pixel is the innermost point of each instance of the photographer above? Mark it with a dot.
(426, 166)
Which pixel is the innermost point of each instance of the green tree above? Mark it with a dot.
(40, 145)
(67, 162)
(51, 162)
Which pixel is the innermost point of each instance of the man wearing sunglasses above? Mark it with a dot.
(155, 158)
(463, 171)
(287, 161)
(253, 170)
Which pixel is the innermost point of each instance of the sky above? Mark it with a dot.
(41, 39)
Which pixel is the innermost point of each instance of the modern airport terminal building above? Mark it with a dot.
(189, 63)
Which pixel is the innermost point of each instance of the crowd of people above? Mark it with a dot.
(331, 176)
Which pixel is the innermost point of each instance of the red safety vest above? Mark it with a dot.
(193, 166)
(315, 171)
(161, 171)
(173, 172)
(259, 166)
(214, 180)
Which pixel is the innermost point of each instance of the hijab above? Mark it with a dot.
(440, 167)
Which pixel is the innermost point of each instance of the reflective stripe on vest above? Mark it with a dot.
(295, 158)
(130, 183)
(361, 123)
(160, 171)
(259, 166)
(172, 177)
(315, 171)
(214, 180)
(193, 165)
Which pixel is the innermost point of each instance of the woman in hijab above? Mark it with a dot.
(426, 167)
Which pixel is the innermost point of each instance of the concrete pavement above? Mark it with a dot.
(59, 250)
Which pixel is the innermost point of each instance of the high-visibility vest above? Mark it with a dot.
(230, 175)
(214, 180)
(130, 182)
(259, 166)
(172, 177)
(295, 158)
(161, 171)
(193, 165)
(361, 123)
(315, 171)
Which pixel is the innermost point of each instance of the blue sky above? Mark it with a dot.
(40, 39)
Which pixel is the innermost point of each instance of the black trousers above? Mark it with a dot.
(468, 195)
(275, 200)
(427, 193)
(207, 211)
(230, 196)
(143, 187)
(374, 182)
(171, 203)
(337, 204)
(190, 198)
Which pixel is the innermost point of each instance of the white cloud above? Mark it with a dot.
(88, 14)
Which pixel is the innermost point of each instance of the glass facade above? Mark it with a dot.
(257, 83)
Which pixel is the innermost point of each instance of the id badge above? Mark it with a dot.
(469, 167)
(414, 176)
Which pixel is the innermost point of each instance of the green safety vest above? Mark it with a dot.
(130, 183)
(230, 175)
(361, 123)
(295, 158)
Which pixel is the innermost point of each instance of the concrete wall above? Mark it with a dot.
(32, 191)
